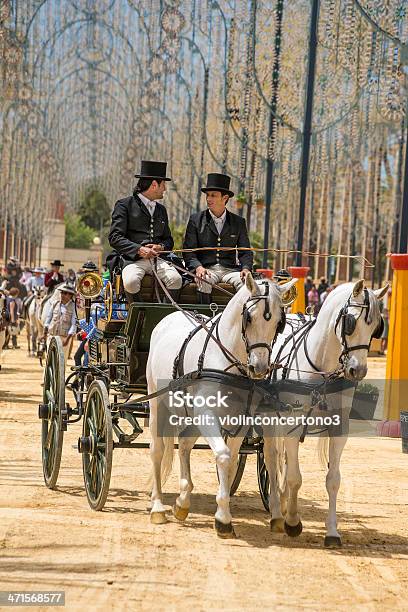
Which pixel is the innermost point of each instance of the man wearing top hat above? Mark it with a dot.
(140, 231)
(54, 277)
(217, 227)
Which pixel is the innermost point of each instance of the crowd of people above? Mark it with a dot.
(17, 287)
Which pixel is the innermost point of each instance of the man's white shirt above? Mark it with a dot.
(150, 205)
(219, 221)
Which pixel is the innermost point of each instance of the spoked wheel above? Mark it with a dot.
(51, 412)
(263, 479)
(238, 475)
(96, 445)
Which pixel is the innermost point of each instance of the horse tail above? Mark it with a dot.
(168, 458)
(323, 451)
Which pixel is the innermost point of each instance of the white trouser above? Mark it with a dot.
(219, 274)
(133, 274)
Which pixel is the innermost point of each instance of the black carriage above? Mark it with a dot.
(107, 391)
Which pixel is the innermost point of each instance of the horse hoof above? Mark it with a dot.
(277, 525)
(293, 530)
(224, 530)
(332, 542)
(180, 513)
(158, 518)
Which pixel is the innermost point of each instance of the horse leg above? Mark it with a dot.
(234, 444)
(333, 478)
(182, 506)
(28, 332)
(293, 525)
(223, 520)
(158, 511)
(270, 450)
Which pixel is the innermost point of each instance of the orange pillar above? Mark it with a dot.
(299, 272)
(396, 385)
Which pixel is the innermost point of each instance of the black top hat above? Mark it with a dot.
(282, 275)
(153, 170)
(89, 265)
(218, 182)
(57, 262)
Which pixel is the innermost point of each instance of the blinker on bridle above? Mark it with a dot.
(349, 322)
(267, 315)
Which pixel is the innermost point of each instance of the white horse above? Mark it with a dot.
(338, 341)
(32, 322)
(246, 329)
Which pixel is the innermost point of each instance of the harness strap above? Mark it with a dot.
(195, 319)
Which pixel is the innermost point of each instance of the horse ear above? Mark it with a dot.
(379, 293)
(358, 287)
(251, 284)
(286, 286)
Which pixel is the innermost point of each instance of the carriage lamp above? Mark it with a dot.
(90, 285)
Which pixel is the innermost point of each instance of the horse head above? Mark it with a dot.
(263, 318)
(355, 322)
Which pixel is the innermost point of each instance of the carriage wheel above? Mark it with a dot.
(108, 301)
(52, 434)
(96, 445)
(238, 475)
(263, 479)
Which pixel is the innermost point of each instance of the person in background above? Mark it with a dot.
(325, 293)
(71, 277)
(14, 274)
(308, 286)
(54, 277)
(313, 299)
(322, 285)
(61, 319)
(13, 310)
(26, 275)
(3, 321)
(36, 280)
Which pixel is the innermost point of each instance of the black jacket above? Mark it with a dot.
(201, 232)
(132, 227)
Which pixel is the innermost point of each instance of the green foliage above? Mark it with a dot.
(177, 231)
(95, 211)
(256, 240)
(367, 388)
(78, 235)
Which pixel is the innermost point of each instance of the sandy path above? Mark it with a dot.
(117, 560)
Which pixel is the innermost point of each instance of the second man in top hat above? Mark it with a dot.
(217, 227)
(140, 231)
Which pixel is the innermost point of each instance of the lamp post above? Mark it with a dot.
(99, 249)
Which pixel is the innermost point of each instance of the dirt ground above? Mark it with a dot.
(117, 560)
